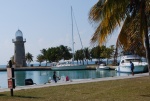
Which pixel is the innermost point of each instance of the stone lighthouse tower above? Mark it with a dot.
(19, 51)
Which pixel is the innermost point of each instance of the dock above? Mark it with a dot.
(27, 68)
(89, 67)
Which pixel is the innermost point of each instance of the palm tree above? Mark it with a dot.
(29, 57)
(87, 54)
(109, 52)
(12, 59)
(54, 54)
(96, 53)
(133, 15)
(64, 50)
(40, 59)
(44, 53)
(77, 55)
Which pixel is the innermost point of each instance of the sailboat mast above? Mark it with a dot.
(72, 37)
(78, 34)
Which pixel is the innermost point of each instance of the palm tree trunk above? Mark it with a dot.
(83, 61)
(107, 61)
(87, 61)
(46, 64)
(147, 48)
(40, 64)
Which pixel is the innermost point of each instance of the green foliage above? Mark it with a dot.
(96, 52)
(102, 52)
(29, 57)
(12, 59)
(79, 55)
(54, 54)
(40, 58)
(87, 53)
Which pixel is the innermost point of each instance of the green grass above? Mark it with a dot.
(136, 89)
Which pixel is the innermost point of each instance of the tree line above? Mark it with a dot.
(55, 54)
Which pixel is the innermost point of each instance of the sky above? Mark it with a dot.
(44, 24)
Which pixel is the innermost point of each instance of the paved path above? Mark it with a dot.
(76, 82)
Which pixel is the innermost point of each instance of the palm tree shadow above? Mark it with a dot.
(148, 95)
(26, 97)
(2, 95)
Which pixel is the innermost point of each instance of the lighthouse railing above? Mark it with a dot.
(14, 40)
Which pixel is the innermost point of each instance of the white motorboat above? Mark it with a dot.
(139, 65)
(67, 65)
(71, 67)
(102, 66)
(63, 63)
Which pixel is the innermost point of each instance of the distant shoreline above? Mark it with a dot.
(27, 68)
(38, 68)
(89, 67)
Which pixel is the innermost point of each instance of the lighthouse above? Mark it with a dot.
(19, 49)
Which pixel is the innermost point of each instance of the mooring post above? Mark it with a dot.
(11, 91)
(11, 80)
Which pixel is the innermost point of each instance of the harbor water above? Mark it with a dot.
(42, 77)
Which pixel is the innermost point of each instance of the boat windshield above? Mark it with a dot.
(133, 60)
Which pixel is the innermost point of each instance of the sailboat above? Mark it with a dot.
(69, 64)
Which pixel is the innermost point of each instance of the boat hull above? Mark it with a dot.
(103, 68)
(137, 69)
(81, 67)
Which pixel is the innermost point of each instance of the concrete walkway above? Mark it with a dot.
(75, 82)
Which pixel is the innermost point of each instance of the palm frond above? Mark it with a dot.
(130, 37)
(111, 13)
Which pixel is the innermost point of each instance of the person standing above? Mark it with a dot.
(10, 64)
(132, 67)
(55, 77)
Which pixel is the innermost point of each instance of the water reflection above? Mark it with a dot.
(106, 73)
(20, 77)
(123, 74)
(41, 77)
(80, 74)
(3, 80)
